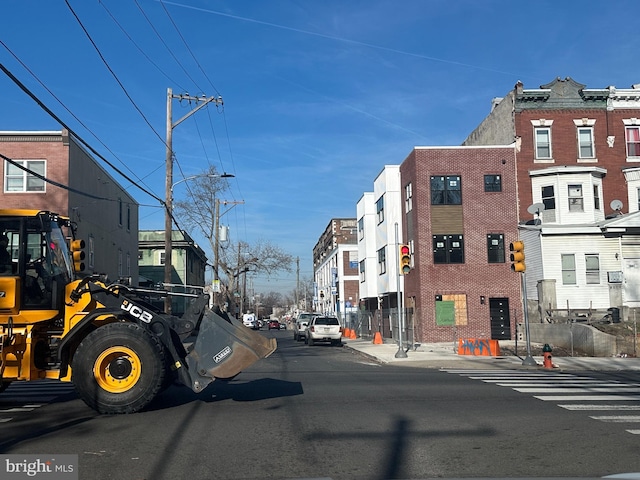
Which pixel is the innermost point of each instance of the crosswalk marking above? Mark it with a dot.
(566, 387)
(600, 407)
(617, 418)
(587, 398)
(21, 397)
(616, 389)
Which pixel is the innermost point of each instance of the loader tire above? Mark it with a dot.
(119, 368)
(3, 386)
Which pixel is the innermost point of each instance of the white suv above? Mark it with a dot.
(324, 329)
(300, 325)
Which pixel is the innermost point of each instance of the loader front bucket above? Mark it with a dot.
(222, 349)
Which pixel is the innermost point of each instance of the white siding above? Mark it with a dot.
(580, 295)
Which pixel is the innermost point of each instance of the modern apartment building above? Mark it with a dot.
(335, 268)
(459, 217)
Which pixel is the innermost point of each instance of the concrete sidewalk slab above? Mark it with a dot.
(444, 355)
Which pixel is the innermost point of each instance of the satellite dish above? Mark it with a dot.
(536, 208)
(616, 205)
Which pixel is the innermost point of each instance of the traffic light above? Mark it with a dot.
(77, 252)
(517, 256)
(404, 259)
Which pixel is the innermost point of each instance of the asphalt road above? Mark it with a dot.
(328, 412)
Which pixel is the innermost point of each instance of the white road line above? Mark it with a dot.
(588, 398)
(574, 386)
(634, 432)
(618, 389)
(578, 407)
(617, 418)
(17, 409)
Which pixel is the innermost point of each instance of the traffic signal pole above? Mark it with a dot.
(401, 353)
(518, 266)
(528, 361)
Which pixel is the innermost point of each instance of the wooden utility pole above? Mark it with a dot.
(168, 219)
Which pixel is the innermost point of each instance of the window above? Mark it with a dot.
(568, 269)
(128, 217)
(548, 198)
(592, 265)
(161, 257)
(362, 270)
(382, 261)
(596, 197)
(543, 142)
(120, 211)
(495, 248)
(576, 202)
(18, 180)
(585, 142)
(128, 272)
(361, 228)
(448, 249)
(446, 190)
(408, 198)
(120, 266)
(492, 183)
(633, 141)
(380, 209)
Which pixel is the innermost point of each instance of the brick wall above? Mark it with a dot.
(482, 213)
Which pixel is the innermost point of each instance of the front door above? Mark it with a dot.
(500, 319)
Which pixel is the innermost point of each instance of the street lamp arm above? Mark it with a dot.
(207, 175)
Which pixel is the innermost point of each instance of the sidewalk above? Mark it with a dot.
(443, 355)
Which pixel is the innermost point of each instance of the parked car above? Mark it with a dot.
(301, 324)
(274, 324)
(283, 326)
(323, 329)
(250, 320)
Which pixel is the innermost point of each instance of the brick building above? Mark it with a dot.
(459, 218)
(578, 164)
(335, 268)
(106, 215)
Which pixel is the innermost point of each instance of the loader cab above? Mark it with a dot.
(37, 263)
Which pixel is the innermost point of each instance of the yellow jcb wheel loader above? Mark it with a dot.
(117, 348)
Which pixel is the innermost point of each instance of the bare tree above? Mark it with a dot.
(304, 295)
(200, 213)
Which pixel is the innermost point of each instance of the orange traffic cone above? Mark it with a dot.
(377, 339)
(352, 334)
(345, 332)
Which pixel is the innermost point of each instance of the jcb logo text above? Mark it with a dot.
(136, 311)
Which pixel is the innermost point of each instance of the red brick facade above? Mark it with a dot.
(480, 213)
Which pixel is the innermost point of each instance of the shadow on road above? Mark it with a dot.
(237, 390)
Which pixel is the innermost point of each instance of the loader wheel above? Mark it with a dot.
(3, 386)
(119, 368)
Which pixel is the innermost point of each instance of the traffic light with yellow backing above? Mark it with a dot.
(77, 253)
(404, 259)
(517, 256)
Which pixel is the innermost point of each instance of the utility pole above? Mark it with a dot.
(216, 227)
(297, 283)
(168, 219)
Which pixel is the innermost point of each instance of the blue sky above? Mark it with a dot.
(318, 95)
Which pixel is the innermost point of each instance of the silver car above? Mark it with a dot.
(301, 324)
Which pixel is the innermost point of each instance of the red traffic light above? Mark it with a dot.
(404, 260)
